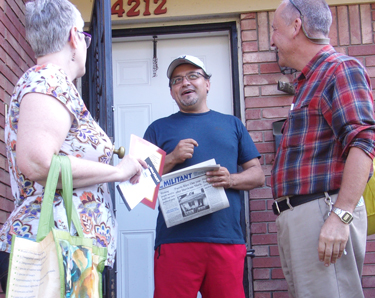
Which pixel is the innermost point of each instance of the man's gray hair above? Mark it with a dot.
(316, 13)
(48, 24)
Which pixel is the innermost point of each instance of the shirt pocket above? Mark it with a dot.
(302, 127)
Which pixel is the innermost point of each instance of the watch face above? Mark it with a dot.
(347, 217)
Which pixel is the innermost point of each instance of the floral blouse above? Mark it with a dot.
(85, 140)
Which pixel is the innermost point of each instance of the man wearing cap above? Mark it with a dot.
(324, 158)
(205, 254)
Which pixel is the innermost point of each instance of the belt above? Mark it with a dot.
(285, 203)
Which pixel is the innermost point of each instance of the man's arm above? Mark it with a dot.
(334, 233)
(252, 176)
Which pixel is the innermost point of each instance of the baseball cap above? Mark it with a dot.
(185, 59)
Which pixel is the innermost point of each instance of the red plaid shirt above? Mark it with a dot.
(333, 111)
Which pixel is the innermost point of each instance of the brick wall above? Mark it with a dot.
(16, 57)
(353, 33)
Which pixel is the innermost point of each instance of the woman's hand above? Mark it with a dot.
(131, 168)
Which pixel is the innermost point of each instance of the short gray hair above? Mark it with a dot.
(317, 15)
(48, 24)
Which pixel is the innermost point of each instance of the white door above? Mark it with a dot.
(139, 99)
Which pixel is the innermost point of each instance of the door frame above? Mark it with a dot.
(231, 27)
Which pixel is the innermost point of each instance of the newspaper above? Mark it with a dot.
(185, 194)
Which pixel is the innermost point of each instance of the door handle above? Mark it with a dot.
(120, 151)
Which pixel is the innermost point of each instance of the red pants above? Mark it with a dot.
(183, 269)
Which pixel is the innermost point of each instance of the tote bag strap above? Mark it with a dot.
(67, 193)
(46, 220)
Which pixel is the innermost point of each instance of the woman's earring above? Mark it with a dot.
(74, 57)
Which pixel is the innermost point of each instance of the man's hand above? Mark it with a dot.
(184, 150)
(220, 177)
(332, 241)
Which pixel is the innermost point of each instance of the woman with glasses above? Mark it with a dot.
(47, 116)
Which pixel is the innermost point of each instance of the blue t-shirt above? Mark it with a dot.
(219, 136)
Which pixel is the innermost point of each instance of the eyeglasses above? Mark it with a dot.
(87, 38)
(191, 76)
(313, 39)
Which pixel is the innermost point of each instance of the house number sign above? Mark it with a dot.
(135, 7)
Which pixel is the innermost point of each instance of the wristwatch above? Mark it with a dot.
(345, 216)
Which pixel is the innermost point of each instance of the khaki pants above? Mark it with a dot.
(298, 233)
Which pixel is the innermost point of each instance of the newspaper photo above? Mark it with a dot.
(185, 194)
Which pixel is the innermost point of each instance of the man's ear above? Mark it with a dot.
(297, 26)
(170, 90)
(208, 85)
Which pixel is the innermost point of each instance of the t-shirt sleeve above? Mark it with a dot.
(246, 147)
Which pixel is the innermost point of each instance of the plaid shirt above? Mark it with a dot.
(332, 112)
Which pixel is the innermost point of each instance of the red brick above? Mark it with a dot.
(253, 114)
(6, 205)
(343, 25)
(265, 147)
(370, 61)
(261, 193)
(256, 295)
(272, 113)
(281, 295)
(355, 27)
(371, 72)
(271, 285)
(256, 136)
(258, 228)
(261, 250)
(264, 38)
(266, 216)
(249, 35)
(369, 270)
(272, 228)
(274, 250)
(268, 136)
(257, 205)
(369, 293)
(250, 46)
(370, 245)
(251, 91)
(270, 262)
(370, 258)
(277, 273)
(368, 281)
(250, 68)
(259, 57)
(373, 15)
(259, 124)
(264, 79)
(271, 101)
(251, 15)
(270, 90)
(333, 34)
(366, 23)
(269, 68)
(363, 50)
(3, 217)
(248, 24)
(262, 274)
